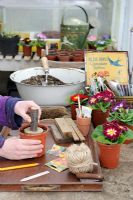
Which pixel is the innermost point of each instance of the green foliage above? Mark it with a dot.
(8, 35)
(123, 115)
(103, 106)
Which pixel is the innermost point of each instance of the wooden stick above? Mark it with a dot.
(79, 106)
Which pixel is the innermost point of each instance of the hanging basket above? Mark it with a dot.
(74, 36)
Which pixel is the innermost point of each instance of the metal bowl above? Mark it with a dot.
(49, 95)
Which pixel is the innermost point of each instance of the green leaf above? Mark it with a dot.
(129, 134)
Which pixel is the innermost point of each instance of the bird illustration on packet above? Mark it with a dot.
(57, 150)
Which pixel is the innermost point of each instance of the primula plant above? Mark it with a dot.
(83, 98)
(100, 43)
(111, 133)
(101, 100)
(40, 40)
(122, 112)
(26, 42)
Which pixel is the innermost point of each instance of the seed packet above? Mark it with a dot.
(57, 150)
(59, 164)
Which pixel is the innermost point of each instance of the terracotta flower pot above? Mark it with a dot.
(84, 125)
(51, 56)
(77, 57)
(39, 51)
(40, 136)
(27, 50)
(99, 117)
(64, 57)
(73, 111)
(109, 155)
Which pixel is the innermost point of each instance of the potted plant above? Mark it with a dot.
(123, 113)
(40, 43)
(101, 103)
(35, 135)
(8, 43)
(27, 44)
(73, 101)
(109, 138)
(99, 44)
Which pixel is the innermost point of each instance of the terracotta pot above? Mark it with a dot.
(64, 57)
(78, 57)
(84, 125)
(39, 136)
(73, 111)
(39, 50)
(51, 57)
(99, 117)
(27, 50)
(109, 155)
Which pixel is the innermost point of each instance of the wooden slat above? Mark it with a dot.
(58, 136)
(74, 135)
(80, 135)
(63, 127)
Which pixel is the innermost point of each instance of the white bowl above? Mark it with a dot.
(49, 95)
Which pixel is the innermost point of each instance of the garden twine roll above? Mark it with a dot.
(79, 158)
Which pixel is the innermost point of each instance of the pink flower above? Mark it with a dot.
(41, 36)
(92, 100)
(92, 38)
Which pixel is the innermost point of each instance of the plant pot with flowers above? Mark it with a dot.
(100, 44)
(109, 138)
(100, 104)
(73, 101)
(123, 113)
(40, 43)
(27, 44)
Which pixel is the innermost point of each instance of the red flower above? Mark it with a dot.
(81, 96)
(113, 130)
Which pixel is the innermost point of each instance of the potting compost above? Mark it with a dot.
(39, 79)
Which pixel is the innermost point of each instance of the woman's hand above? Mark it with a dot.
(17, 149)
(23, 107)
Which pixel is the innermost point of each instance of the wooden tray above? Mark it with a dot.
(54, 181)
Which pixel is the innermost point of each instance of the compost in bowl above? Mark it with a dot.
(49, 95)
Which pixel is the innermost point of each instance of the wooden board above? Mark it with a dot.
(63, 127)
(54, 181)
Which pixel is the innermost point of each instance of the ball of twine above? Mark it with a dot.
(79, 158)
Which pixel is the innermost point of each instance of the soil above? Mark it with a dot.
(40, 80)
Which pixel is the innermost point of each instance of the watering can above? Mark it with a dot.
(74, 32)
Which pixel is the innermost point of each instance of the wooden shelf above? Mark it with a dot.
(18, 62)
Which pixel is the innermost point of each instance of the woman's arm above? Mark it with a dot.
(7, 114)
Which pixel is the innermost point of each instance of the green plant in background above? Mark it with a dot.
(40, 40)
(101, 43)
(8, 35)
(26, 42)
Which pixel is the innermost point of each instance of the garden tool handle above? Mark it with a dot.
(86, 15)
(45, 63)
(34, 119)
